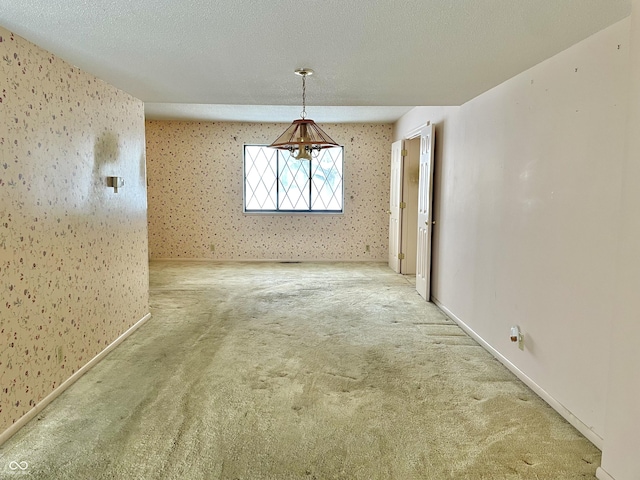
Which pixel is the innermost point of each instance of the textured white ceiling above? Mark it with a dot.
(365, 53)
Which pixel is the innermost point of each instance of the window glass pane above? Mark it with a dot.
(326, 192)
(260, 178)
(294, 182)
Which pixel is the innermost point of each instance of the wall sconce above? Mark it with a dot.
(115, 183)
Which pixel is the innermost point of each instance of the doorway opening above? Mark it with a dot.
(409, 212)
(410, 222)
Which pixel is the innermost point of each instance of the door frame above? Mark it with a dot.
(395, 197)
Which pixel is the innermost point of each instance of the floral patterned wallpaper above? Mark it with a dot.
(73, 254)
(195, 199)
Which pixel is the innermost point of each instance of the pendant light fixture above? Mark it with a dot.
(303, 137)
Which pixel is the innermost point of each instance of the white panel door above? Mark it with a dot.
(395, 197)
(425, 186)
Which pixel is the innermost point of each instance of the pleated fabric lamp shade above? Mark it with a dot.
(303, 137)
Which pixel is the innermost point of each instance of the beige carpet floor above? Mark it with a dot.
(297, 371)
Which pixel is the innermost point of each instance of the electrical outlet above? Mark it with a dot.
(517, 336)
(367, 248)
(212, 247)
(59, 354)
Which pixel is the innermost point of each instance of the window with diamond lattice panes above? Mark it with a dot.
(274, 181)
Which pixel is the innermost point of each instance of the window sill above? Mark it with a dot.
(295, 213)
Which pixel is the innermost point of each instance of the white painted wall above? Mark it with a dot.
(527, 187)
(621, 452)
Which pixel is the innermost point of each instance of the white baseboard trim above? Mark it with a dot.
(603, 475)
(267, 260)
(9, 432)
(592, 436)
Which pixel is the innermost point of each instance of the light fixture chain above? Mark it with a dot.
(304, 96)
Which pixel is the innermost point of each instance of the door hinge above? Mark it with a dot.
(404, 153)
(401, 256)
(403, 204)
